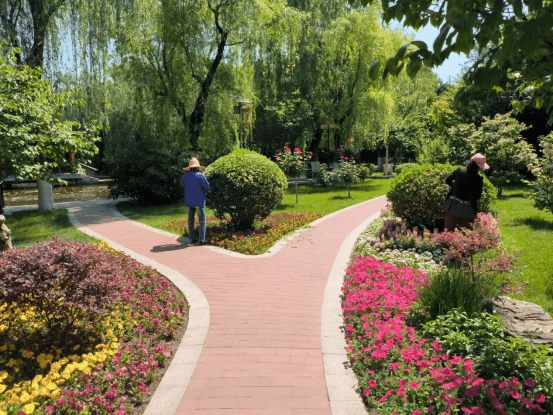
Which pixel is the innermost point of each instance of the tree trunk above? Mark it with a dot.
(197, 115)
(45, 196)
(316, 143)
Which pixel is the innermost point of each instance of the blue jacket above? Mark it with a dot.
(195, 184)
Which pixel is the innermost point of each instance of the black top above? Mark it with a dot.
(465, 186)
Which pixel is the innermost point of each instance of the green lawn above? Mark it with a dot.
(28, 227)
(525, 228)
(311, 199)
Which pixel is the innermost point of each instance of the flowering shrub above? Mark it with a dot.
(542, 168)
(68, 285)
(252, 242)
(495, 354)
(369, 244)
(348, 171)
(324, 176)
(400, 372)
(464, 245)
(110, 371)
(292, 163)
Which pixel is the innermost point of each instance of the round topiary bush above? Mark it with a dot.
(418, 194)
(245, 186)
(400, 167)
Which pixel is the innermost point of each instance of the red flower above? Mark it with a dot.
(287, 150)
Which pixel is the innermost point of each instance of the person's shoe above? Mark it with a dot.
(200, 243)
(194, 241)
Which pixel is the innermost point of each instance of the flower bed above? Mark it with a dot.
(401, 373)
(252, 242)
(117, 356)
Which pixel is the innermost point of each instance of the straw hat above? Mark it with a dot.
(194, 163)
(480, 161)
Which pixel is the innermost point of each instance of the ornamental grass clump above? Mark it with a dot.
(399, 371)
(110, 370)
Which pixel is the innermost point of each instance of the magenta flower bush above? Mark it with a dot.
(117, 355)
(400, 372)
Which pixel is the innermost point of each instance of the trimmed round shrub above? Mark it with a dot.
(401, 167)
(245, 187)
(418, 195)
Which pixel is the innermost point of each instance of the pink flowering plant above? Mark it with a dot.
(399, 371)
(293, 163)
(348, 171)
(479, 252)
(110, 369)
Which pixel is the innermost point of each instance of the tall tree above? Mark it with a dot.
(30, 129)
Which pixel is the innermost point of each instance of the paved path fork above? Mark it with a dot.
(270, 345)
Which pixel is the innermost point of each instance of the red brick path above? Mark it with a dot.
(262, 353)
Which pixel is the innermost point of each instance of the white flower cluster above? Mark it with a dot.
(368, 244)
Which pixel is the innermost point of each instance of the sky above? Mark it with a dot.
(451, 68)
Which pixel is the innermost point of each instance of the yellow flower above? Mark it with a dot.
(76, 347)
(37, 378)
(3, 412)
(51, 386)
(29, 409)
(25, 397)
(2, 388)
(56, 394)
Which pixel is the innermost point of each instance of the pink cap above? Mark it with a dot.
(480, 161)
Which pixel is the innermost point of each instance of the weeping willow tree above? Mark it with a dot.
(325, 60)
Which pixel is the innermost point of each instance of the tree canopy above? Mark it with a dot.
(32, 139)
(514, 40)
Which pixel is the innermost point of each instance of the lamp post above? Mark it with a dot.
(238, 109)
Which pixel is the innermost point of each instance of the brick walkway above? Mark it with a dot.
(262, 353)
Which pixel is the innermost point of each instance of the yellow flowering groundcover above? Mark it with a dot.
(100, 365)
(253, 242)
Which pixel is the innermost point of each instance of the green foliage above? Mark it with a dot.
(364, 173)
(30, 130)
(542, 168)
(147, 172)
(514, 48)
(453, 289)
(495, 356)
(246, 186)
(418, 195)
(401, 167)
(324, 176)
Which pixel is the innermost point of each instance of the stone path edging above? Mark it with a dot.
(170, 391)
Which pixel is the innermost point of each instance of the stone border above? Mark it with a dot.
(341, 382)
(169, 393)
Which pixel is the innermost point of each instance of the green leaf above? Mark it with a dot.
(374, 69)
(400, 53)
(439, 42)
(420, 44)
(413, 67)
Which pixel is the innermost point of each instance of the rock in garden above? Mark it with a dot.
(525, 320)
(5, 235)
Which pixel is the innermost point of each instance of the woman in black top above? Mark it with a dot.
(466, 189)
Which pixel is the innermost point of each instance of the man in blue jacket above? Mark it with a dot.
(195, 185)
